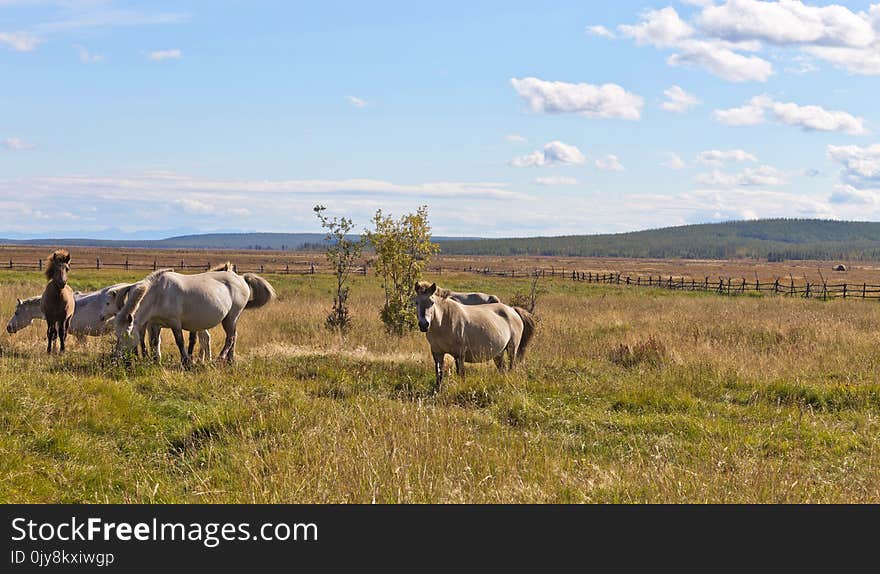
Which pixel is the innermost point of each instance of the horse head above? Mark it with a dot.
(424, 301)
(59, 267)
(24, 315)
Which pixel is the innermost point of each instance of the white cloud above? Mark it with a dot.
(849, 195)
(605, 101)
(750, 114)
(764, 175)
(860, 166)
(20, 41)
(357, 102)
(515, 138)
(609, 163)
(16, 144)
(554, 153)
(662, 28)
(170, 186)
(161, 55)
(810, 118)
(556, 180)
(719, 157)
(87, 57)
(678, 100)
(786, 22)
(665, 29)
(674, 162)
(715, 37)
(721, 61)
(600, 31)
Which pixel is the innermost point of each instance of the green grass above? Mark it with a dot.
(739, 400)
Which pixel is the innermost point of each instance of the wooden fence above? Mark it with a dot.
(722, 285)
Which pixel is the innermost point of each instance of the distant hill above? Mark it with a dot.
(233, 241)
(773, 239)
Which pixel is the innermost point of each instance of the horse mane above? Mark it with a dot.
(222, 267)
(135, 296)
(58, 256)
(440, 292)
(35, 300)
(137, 292)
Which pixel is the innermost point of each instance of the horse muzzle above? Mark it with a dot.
(9, 329)
(423, 327)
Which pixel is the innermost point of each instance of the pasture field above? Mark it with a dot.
(627, 395)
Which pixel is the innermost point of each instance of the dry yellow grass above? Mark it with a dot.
(741, 399)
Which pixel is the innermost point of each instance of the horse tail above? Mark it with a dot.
(261, 291)
(528, 331)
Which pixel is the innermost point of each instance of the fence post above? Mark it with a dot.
(40, 264)
(97, 263)
(10, 263)
(182, 264)
(155, 264)
(126, 263)
(864, 290)
(844, 290)
(287, 269)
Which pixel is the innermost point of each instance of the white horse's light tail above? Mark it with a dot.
(528, 331)
(261, 291)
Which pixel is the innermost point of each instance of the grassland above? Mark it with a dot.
(626, 396)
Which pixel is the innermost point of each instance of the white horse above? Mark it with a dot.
(152, 345)
(92, 318)
(88, 317)
(471, 333)
(191, 302)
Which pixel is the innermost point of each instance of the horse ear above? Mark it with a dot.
(433, 288)
(120, 295)
(18, 301)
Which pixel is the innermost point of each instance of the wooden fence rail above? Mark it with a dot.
(720, 285)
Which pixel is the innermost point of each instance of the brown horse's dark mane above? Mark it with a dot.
(58, 257)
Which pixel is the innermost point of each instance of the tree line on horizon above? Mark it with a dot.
(770, 239)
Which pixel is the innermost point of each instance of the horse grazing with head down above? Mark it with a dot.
(192, 303)
(471, 333)
(57, 302)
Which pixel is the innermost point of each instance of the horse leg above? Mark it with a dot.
(205, 345)
(50, 332)
(62, 334)
(192, 343)
(156, 342)
(499, 361)
(438, 370)
(230, 326)
(512, 348)
(143, 343)
(459, 366)
(185, 359)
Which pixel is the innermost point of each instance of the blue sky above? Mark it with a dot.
(507, 118)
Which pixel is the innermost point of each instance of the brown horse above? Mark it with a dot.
(57, 302)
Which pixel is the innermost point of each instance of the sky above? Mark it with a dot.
(148, 119)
